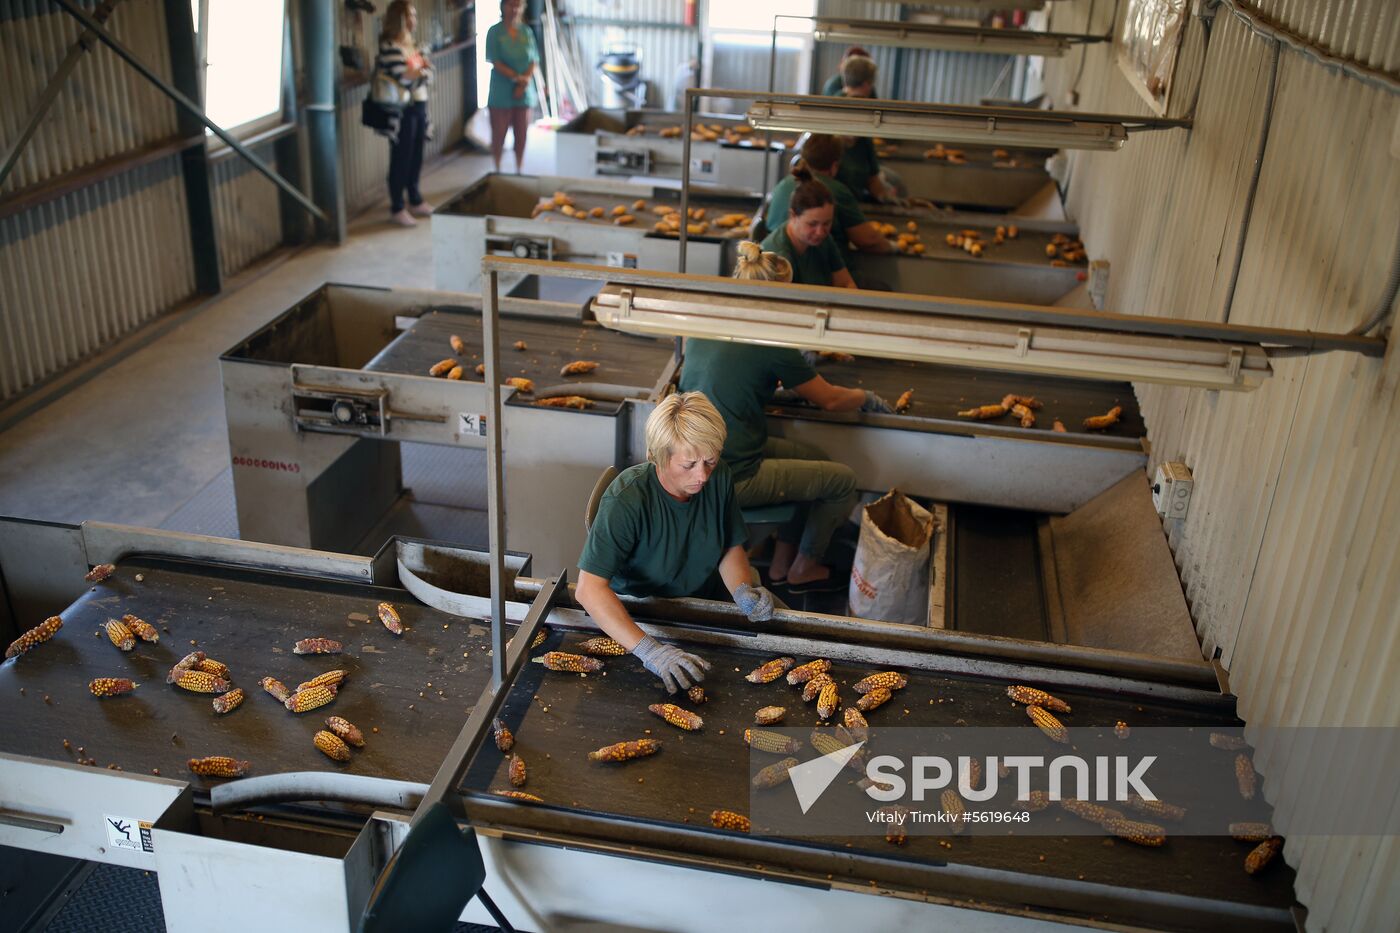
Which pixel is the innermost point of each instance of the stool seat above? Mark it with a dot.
(779, 513)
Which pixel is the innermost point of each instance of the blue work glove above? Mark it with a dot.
(676, 668)
(754, 602)
(874, 403)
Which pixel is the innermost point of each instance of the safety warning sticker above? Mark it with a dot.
(123, 832)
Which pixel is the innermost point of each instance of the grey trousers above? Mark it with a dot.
(800, 473)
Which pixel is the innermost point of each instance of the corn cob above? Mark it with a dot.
(1157, 808)
(828, 701)
(697, 695)
(119, 635)
(626, 751)
(769, 715)
(111, 686)
(1033, 697)
(504, 739)
(835, 356)
(773, 775)
(200, 682)
(521, 384)
(456, 373)
(602, 646)
(35, 636)
(904, 402)
(578, 368)
(983, 412)
(541, 634)
(459, 346)
(442, 367)
(328, 679)
(141, 628)
(317, 646)
(855, 723)
(570, 663)
(894, 828)
(974, 772)
(1262, 854)
(219, 766)
(347, 730)
(1250, 832)
(728, 819)
(1037, 800)
(390, 617)
(813, 688)
(100, 572)
(1120, 729)
(187, 663)
(1030, 401)
(566, 401)
(1052, 727)
(1144, 834)
(873, 700)
(1106, 420)
(518, 795)
(827, 744)
(680, 718)
(304, 701)
(515, 770)
(480, 370)
(805, 672)
(769, 671)
(1059, 427)
(1093, 812)
(952, 805)
(229, 701)
(1230, 743)
(1244, 776)
(275, 687)
(774, 742)
(1025, 414)
(210, 666)
(331, 745)
(866, 783)
(889, 680)
(521, 345)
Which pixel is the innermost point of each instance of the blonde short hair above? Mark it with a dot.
(857, 71)
(685, 419)
(760, 266)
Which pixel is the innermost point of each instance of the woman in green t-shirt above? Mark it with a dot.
(510, 48)
(805, 239)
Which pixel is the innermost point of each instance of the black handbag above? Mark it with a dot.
(381, 117)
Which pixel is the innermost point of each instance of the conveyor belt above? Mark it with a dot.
(625, 360)
(715, 206)
(1028, 248)
(975, 155)
(997, 586)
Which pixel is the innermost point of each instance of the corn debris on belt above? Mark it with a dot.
(1262, 854)
(1250, 832)
(873, 700)
(855, 723)
(35, 636)
(769, 671)
(141, 628)
(1035, 801)
(200, 682)
(813, 688)
(119, 635)
(1033, 697)
(769, 715)
(219, 766)
(603, 646)
(578, 368)
(1052, 727)
(518, 795)
(888, 680)
(773, 775)
(210, 666)
(952, 805)
(346, 730)
(1120, 729)
(317, 646)
(828, 701)
(328, 679)
(774, 742)
(189, 662)
(570, 663)
(626, 751)
(275, 687)
(728, 819)
(331, 745)
(894, 826)
(680, 718)
(1143, 834)
(303, 701)
(1244, 776)
(515, 770)
(805, 672)
(459, 346)
(111, 686)
(1157, 808)
(390, 617)
(229, 701)
(1230, 743)
(100, 572)
(1093, 812)
(505, 740)
(697, 695)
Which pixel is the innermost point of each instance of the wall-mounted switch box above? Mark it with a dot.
(1171, 490)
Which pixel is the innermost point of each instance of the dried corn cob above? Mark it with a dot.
(1262, 854)
(769, 715)
(35, 636)
(566, 401)
(805, 672)
(904, 402)
(1035, 801)
(894, 831)
(774, 742)
(1025, 414)
(317, 646)
(873, 700)
(111, 686)
(1120, 729)
(952, 804)
(983, 412)
(518, 795)
(515, 770)
(1157, 808)
(1093, 812)
(680, 718)
(347, 731)
(200, 682)
(855, 723)
(1106, 420)
(459, 346)
(570, 663)
(187, 663)
(1059, 427)
(119, 635)
(442, 367)
(541, 634)
(219, 766)
(141, 628)
(602, 646)
(100, 572)
(578, 368)
(1230, 743)
(1052, 727)
(1033, 697)
(1245, 776)
(828, 701)
(888, 680)
(210, 666)
(728, 819)
(328, 679)
(331, 745)
(1250, 832)
(834, 356)
(304, 701)
(827, 743)
(813, 688)
(521, 384)
(1030, 401)
(456, 373)
(1143, 834)
(229, 701)
(505, 740)
(626, 751)
(697, 695)
(275, 687)
(866, 783)
(390, 617)
(769, 671)
(773, 775)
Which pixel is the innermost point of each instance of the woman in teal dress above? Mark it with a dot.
(510, 48)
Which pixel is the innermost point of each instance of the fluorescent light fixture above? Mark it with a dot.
(1051, 349)
(978, 4)
(1031, 129)
(948, 38)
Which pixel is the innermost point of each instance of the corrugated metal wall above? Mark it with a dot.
(247, 210)
(1290, 557)
(656, 27)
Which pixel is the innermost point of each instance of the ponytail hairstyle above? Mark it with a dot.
(821, 152)
(395, 25)
(808, 194)
(759, 266)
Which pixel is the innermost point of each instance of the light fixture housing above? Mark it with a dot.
(946, 38)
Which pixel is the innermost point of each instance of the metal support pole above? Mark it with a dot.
(322, 129)
(768, 134)
(495, 479)
(685, 173)
(195, 169)
(72, 9)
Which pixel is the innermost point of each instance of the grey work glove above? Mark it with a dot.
(874, 403)
(676, 668)
(754, 602)
(787, 397)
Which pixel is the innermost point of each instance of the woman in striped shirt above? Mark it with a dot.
(402, 73)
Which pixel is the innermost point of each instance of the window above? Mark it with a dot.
(242, 46)
(757, 15)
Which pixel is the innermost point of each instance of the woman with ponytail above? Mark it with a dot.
(804, 240)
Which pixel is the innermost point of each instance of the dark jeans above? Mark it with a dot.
(406, 156)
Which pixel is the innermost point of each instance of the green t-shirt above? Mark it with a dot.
(739, 378)
(834, 86)
(858, 164)
(848, 212)
(647, 544)
(814, 267)
(516, 54)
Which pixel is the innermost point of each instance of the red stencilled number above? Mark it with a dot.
(259, 463)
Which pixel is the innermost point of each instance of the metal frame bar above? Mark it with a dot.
(902, 28)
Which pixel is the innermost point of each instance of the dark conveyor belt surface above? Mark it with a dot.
(624, 360)
(250, 622)
(558, 718)
(997, 588)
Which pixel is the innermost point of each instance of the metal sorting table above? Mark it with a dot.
(985, 181)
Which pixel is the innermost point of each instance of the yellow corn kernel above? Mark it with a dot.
(774, 742)
(1250, 832)
(330, 744)
(515, 770)
(813, 688)
(952, 804)
(229, 701)
(773, 775)
(728, 819)
(888, 680)
(1093, 812)
(769, 671)
(328, 679)
(1143, 834)
(119, 635)
(275, 687)
(569, 663)
(141, 628)
(346, 730)
(626, 751)
(1230, 743)
(1245, 776)
(200, 682)
(210, 666)
(828, 701)
(602, 646)
(1262, 854)
(303, 701)
(1035, 801)
(1052, 727)
(505, 740)
(1159, 809)
(317, 646)
(219, 766)
(1033, 697)
(35, 636)
(518, 795)
(873, 700)
(697, 695)
(111, 686)
(680, 718)
(805, 672)
(770, 715)
(390, 617)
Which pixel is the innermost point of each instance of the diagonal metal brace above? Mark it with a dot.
(96, 30)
